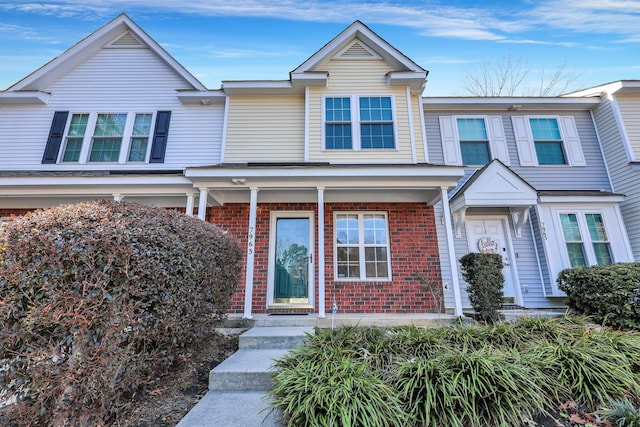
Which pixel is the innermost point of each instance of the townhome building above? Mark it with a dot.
(343, 184)
(617, 117)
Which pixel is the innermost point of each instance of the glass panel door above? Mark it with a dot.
(292, 261)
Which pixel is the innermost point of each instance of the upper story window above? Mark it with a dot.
(473, 140)
(474, 143)
(338, 124)
(359, 123)
(107, 137)
(547, 141)
(585, 239)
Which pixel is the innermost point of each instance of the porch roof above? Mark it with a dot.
(299, 182)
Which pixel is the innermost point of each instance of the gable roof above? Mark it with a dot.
(120, 32)
(357, 41)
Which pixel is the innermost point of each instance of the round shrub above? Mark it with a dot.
(610, 294)
(97, 301)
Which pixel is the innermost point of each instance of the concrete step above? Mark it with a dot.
(274, 337)
(343, 319)
(245, 370)
(233, 409)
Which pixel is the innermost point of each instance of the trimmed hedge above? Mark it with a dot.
(610, 294)
(98, 300)
(485, 284)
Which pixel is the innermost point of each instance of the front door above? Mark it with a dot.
(488, 235)
(291, 259)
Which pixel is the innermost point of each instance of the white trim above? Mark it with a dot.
(202, 203)
(306, 123)
(451, 250)
(320, 255)
(604, 158)
(626, 141)
(423, 125)
(412, 138)
(225, 124)
(251, 236)
(361, 248)
(190, 203)
(274, 216)
(537, 254)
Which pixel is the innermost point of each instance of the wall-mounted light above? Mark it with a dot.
(515, 107)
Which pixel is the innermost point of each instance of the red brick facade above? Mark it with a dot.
(414, 249)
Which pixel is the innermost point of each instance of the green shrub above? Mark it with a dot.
(482, 387)
(320, 389)
(608, 293)
(97, 301)
(485, 283)
(471, 375)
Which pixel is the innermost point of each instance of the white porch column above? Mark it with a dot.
(118, 197)
(202, 203)
(448, 228)
(251, 240)
(190, 203)
(320, 254)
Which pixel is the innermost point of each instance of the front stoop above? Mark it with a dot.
(238, 386)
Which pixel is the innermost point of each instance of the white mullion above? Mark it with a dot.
(126, 137)
(355, 123)
(87, 140)
(361, 246)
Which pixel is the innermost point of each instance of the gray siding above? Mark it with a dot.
(590, 177)
(625, 179)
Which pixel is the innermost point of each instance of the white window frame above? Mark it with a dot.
(87, 141)
(361, 248)
(355, 123)
(450, 138)
(587, 243)
(571, 144)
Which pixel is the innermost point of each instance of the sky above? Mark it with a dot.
(592, 41)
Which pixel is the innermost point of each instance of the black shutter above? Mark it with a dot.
(159, 144)
(55, 137)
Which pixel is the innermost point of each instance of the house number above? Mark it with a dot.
(251, 238)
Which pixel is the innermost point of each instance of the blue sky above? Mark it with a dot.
(216, 40)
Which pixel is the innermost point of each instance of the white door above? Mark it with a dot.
(488, 235)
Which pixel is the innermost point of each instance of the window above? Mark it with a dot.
(75, 135)
(362, 246)
(547, 141)
(107, 138)
(368, 126)
(376, 122)
(140, 138)
(573, 229)
(474, 144)
(338, 123)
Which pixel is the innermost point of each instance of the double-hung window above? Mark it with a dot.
(107, 138)
(140, 138)
(585, 238)
(547, 141)
(358, 123)
(362, 246)
(75, 136)
(474, 143)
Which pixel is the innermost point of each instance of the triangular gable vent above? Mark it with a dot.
(357, 50)
(126, 41)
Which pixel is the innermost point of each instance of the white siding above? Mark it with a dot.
(265, 129)
(114, 81)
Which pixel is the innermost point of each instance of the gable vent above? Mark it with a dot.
(127, 41)
(357, 50)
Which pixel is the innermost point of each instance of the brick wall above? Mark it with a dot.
(414, 248)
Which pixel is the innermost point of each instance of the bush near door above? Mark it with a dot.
(485, 284)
